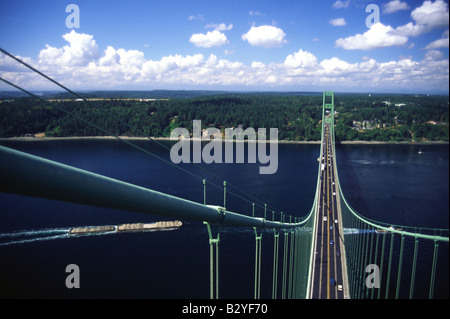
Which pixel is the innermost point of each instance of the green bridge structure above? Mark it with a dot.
(332, 252)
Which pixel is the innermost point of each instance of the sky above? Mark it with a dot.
(398, 46)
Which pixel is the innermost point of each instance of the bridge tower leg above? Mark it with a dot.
(328, 109)
(214, 261)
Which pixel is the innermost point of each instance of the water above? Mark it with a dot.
(414, 186)
(388, 183)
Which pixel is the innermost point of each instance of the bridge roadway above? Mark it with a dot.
(328, 261)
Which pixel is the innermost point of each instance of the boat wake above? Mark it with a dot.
(28, 236)
(353, 231)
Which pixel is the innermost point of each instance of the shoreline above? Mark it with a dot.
(74, 138)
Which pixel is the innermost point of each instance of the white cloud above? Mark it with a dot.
(426, 17)
(81, 50)
(378, 36)
(265, 36)
(410, 30)
(197, 17)
(431, 14)
(219, 27)
(258, 65)
(340, 4)
(111, 57)
(208, 40)
(300, 59)
(118, 68)
(335, 65)
(229, 52)
(394, 6)
(338, 22)
(438, 44)
(8, 65)
(434, 55)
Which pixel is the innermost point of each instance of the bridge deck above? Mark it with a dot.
(329, 271)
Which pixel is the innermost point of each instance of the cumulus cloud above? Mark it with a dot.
(258, 65)
(265, 36)
(301, 59)
(210, 39)
(338, 22)
(428, 16)
(117, 68)
(337, 66)
(81, 50)
(410, 30)
(378, 36)
(394, 6)
(440, 43)
(431, 14)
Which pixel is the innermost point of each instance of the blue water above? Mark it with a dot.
(396, 184)
(385, 182)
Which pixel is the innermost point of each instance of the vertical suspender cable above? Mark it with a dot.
(382, 263)
(375, 260)
(433, 269)
(370, 254)
(258, 237)
(276, 237)
(400, 262)
(389, 266)
(291, 251)
(414, 264)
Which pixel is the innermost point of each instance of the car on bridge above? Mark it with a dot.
(331, 242)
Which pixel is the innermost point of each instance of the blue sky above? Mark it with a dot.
(230, 45)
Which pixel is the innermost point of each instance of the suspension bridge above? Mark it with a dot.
(332, 252)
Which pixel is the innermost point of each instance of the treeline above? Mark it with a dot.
(393, 118)
(298, 118)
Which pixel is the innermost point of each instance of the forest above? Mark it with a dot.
(359, 117)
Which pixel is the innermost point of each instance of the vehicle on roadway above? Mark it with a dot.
(331, 242)
(333, 282)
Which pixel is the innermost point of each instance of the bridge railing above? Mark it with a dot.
(392, 261)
